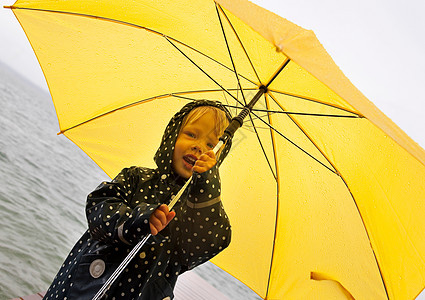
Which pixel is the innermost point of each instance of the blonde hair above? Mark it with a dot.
(221, 121)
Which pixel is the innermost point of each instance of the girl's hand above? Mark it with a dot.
(205, 162)
(160, 218)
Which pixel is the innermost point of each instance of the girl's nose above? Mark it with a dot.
(198, 148)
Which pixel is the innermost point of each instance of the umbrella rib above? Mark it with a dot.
(277, 193)
(225, 105)
(196, 65)
(353, 114)
(293, 143)
(299, 113)
(264, 150)
(238, 105)
(230, 53)
(368, 236)
(308, 137)
(318, 102)
(137, 26)
(177, 95)
(218, 90)
(308, 114)
(240, 42)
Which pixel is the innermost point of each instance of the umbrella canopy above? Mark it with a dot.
(325, 194)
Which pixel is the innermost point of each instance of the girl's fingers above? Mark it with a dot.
(205, 162)
(163, 208)
(154, 231)
(160, 218)
(210, 154)
(170, 216)
(202, 167)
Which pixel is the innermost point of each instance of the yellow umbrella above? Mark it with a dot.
(325, 194)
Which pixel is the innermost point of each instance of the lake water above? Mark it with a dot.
(45, 179)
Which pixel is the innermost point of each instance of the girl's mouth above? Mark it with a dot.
(189, 160)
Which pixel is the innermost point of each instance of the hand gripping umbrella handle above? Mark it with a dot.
(142, 242)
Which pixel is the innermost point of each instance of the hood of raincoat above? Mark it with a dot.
(164, 154)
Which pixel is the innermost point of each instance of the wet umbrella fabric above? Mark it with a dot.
(324, 192)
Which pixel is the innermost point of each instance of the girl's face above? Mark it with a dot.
(194, 139)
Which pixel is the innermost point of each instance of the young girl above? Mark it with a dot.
(121, 212)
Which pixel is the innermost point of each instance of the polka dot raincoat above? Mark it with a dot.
(118, 217)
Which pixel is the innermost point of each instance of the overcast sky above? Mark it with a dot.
(378, 44)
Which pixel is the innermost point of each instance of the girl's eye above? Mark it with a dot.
(190, 134)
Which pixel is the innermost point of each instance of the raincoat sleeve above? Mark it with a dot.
(205, 228)
(113, 215)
